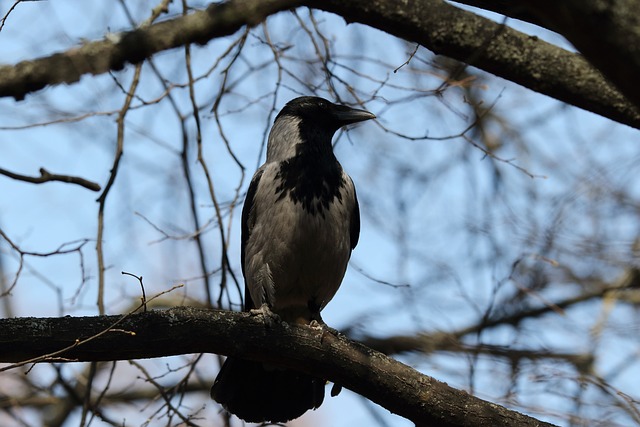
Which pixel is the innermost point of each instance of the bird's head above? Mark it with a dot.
(310, 121)
(317, 111)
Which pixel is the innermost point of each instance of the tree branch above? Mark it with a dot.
(606, 33)
(498, 49)
(515, 10)
(430, 342)
(46, 176)
(437, 25)
(114, 52)
(443, 342)
(381, 379)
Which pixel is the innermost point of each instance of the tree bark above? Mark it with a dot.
(498, 49)
(607, 33)
(393, 385)
(116, 50)
(512, 9)
(437, 25)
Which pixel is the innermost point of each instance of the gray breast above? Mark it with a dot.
(299, 246)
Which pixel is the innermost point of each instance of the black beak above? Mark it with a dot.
(347, 115)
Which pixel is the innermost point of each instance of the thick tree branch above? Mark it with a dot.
(516, 10)
(437, 25)
(607, 33)
(113, 53)
(381, 379)
(500, 50)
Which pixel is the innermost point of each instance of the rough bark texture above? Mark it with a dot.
(391, 384)
(606, 32)
(437, 25)
(498, 49)
(509, 8)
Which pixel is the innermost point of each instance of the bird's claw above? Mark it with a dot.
(314, 324)
(320, 325)
(324, 328)
(269, 317)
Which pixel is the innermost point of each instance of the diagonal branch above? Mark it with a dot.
(515, 10)
(396, 386)
(435, 24)
(430, 342)
(606, 33)
(116, 50)
(498, 49)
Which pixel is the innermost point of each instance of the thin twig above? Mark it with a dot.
(144, 296)
(46, 176)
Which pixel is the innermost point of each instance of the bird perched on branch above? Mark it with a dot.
(300, 222)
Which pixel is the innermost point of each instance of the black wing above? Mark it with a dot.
(354, 224)
(248, 219)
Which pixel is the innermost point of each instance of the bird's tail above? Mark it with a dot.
(258, 393)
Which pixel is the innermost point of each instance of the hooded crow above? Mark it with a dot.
(300, 222)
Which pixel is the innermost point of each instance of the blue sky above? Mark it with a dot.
(435, 214)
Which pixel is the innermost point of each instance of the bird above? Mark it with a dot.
(300, 223)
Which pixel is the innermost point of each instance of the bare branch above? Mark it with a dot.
(116, 50)
(500, 50)
(444, 342)
(3, 21)
(437, 25)
(607, 35)
(182, 330)
(508, 8)
(46, 176)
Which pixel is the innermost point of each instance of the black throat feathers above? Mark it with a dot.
(314, 180)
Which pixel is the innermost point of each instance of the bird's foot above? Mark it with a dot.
(327, 331)
(314, 324)
(320, 325)
(269, 317)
